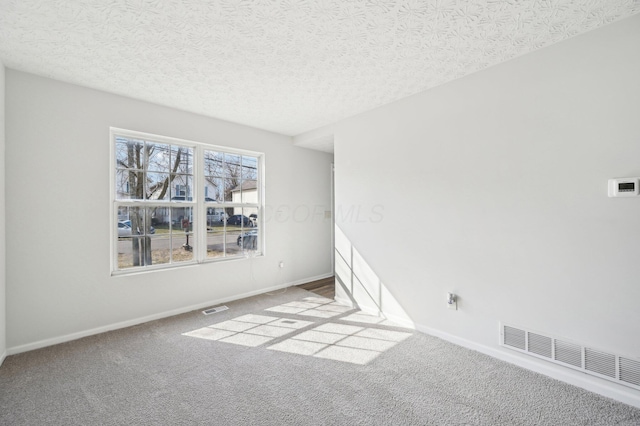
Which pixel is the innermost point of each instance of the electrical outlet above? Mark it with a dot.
(281, 264)
(452, 301)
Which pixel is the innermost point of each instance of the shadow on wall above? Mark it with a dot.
(357, 284)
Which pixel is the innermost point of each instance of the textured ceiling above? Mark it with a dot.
(287, 66)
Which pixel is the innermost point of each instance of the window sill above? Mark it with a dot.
(156, 268)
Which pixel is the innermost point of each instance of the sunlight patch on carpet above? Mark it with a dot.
(318, 307)
(337, 341)
(249, 330)
(352, 355)
(298, 347)
(246, 339)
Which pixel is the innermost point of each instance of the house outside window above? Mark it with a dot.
(182, 191)
(175, 202)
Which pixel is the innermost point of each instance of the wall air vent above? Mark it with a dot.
(514, 337)
(215, 310)
(541, 345)
(629, 371)
(568, 353)
(616, 368)
(600, 362)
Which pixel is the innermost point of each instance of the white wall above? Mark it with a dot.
(511, 165)
(3, 342)
(58, 278)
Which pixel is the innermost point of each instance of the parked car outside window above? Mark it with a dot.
(123, 230)
(238, 219)
(248, 240)
(152, 230)
(216, 217)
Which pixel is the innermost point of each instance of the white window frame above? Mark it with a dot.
(199, 226)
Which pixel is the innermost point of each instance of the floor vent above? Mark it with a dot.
(215, 310)
(619, 369)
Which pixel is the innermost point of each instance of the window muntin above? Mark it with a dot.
(177, 202)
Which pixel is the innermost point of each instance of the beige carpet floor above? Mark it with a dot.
(290, 358)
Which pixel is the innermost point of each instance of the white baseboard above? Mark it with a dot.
(310, 279)
(2, 357)
(593, 384)
(403, 322)
(123, 324)
(370, 311)
(343, 301)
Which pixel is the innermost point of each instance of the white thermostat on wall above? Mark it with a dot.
(624, 187)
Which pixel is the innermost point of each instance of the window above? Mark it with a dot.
(179, 202)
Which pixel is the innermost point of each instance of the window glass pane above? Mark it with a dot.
(213, 163)
(249, 168)
(139, 222)
(125, 256)
(215, 216)
(233, 241)
(252, 214)
(134, 218)
(232, 164)
(158, 157)
(129, 154)
(160, 219)
(160, 249)
(137, 219)
(238, 219)
(182, 159)
(232, 175)
(129, 185)
(182, 219)
(157, 186)
(215, 239)
(181, 249)
(134, 251)
(181, 189)
(238, 233)
(248, 241)
(249, 192)
(232, 189)
(123, 213)
(124, 230)
(182, 237)
(214, 189)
